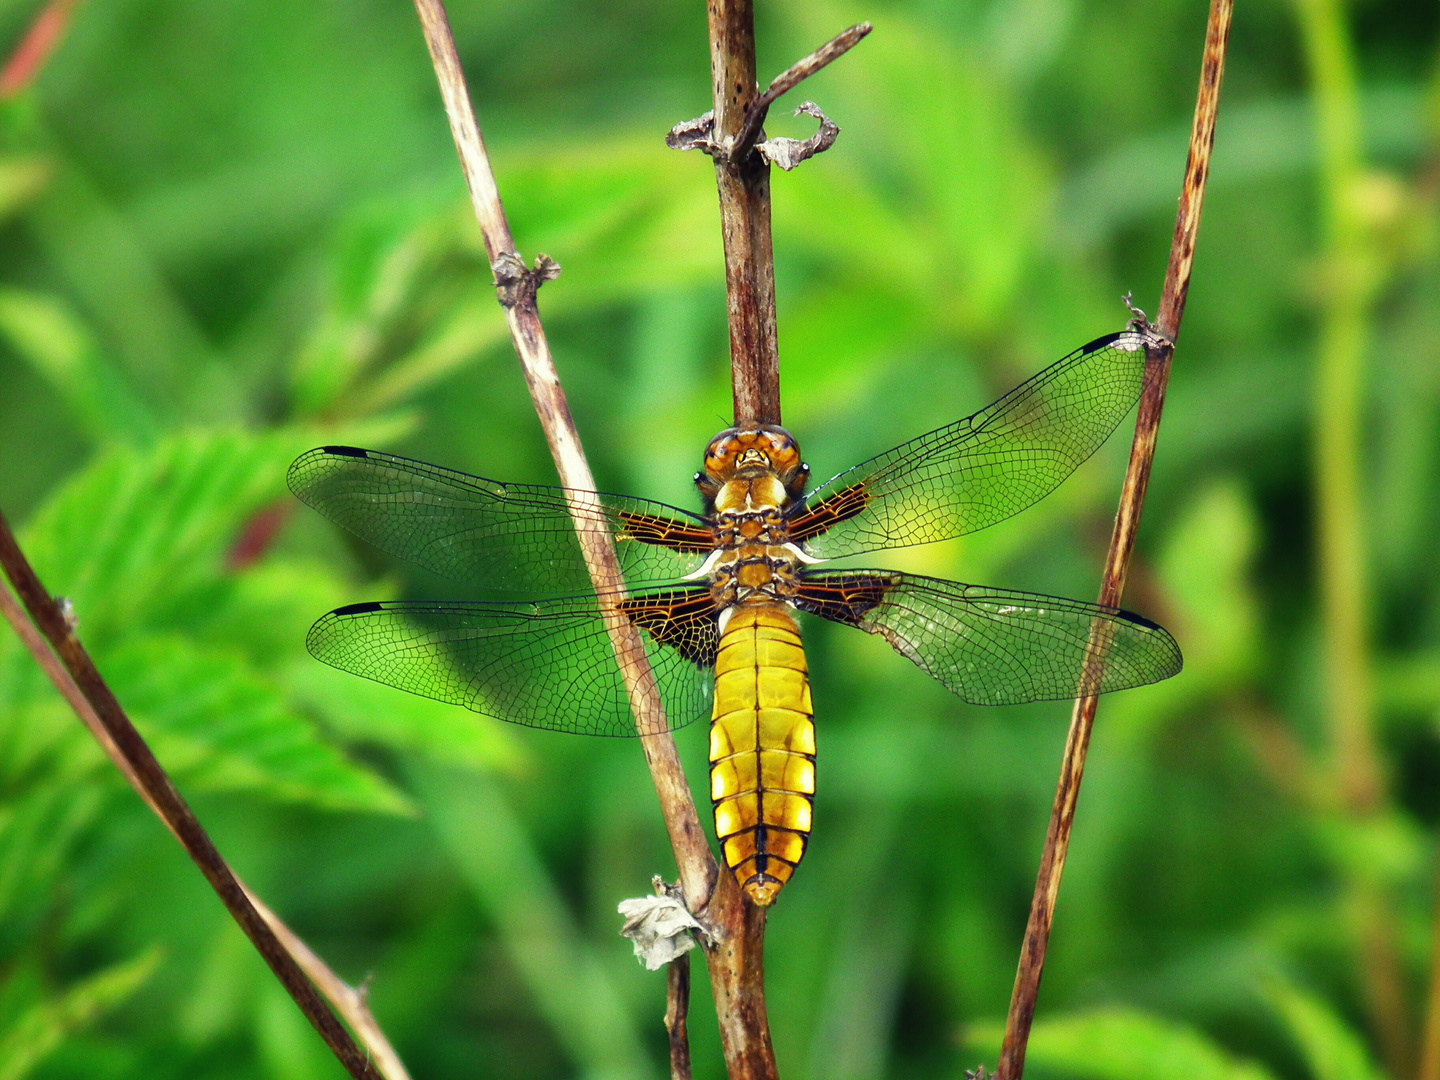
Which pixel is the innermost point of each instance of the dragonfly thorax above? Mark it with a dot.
(752, 478)
(754, 560)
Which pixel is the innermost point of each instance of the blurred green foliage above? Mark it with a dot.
(233, 231)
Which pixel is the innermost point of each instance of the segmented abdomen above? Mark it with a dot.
(762, 748)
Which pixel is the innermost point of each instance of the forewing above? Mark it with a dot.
(980, 470)
(545, 665)
(994, 647)
(512, 537)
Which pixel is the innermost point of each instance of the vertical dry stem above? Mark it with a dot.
(1429, 1068)
(1122, 540)
(744, 187)
(677, 1011)
(120, 739)
(734, 964)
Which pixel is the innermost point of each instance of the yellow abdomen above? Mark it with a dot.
(762, 749)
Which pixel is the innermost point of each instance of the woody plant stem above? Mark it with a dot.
(1122, 540)
(78, 680)
(734, 961)
(343, 998)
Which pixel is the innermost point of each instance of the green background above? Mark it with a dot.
(232, 231)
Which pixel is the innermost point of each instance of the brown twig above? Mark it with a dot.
(692, 853)
(36, 47)
(734, 960)
(120, 740)
(744, 187)
(742, 174)
(1122, 540)
(792, 77)
(677, 1009)
(345, 999)
(349, 1001)
(1430, 1038)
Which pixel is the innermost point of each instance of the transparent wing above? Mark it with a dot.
(512, 537)
(545, 665)
(980, 470)
(994, 647)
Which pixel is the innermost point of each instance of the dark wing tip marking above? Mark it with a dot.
(995, 647)
(295, 476)
(510, 537)
(1178, 657)
(544, 665)
(979, 470)
(1101, 342)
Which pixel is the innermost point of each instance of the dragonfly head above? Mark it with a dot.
(750, 452)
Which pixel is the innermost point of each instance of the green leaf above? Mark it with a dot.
(1124, 1044)
(217, 725)
(22, 177)
(1330, 1047)
(94, 248)
(26, 1042)
(50, 337)
(136, 538)
(1205, 568)
(39, 828)
(497, 859)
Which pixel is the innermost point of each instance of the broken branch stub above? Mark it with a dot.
(699, 134)
(517, 284)
(793, 76)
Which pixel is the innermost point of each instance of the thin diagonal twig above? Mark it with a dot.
(36, 47)
(792, 77)
(517, 287)
(95, 703)
(1122, 541)
(343, 998)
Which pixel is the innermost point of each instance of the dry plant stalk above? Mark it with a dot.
(677, 1011)
(80, 683)
(344, 998)
(734, 962)
(743, 180)
(1122, 540)
(737, 927)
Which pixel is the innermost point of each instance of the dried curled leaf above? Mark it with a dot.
(661, 928)
(788, 153)
(693, 134)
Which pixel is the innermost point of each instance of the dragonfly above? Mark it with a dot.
(714, 595)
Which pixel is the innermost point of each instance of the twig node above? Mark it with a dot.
(516, 283)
